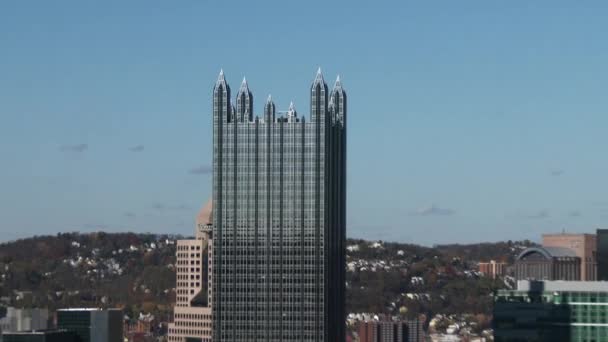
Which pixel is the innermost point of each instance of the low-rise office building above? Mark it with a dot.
(552, 311)
(40, 336)
(547, 263)
(24, 320)
(92, 325)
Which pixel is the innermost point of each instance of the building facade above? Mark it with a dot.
(602, 254)
(24, 319)
(552, 311)
(279, 196)
(493, 269)
(92, 325)
(40, 336)
(547, 263)
(192, 312)
(584, 247)
(388, 330)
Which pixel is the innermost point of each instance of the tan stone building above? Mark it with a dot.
(584, 247)
(192, 312)
(493, 269)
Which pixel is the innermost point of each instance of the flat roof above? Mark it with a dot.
(562, 285)
(35, 332)
(88, 309)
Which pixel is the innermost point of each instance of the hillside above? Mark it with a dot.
(135, 271)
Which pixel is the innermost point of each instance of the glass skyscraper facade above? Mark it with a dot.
(279, 217)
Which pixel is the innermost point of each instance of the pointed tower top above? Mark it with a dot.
(269, 100)
(319, 77)
(338, 83)
(292, 108)
(221, 78)
(244, 86)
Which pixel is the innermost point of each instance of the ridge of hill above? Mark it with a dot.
(136, 272)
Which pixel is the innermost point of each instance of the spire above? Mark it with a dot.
(319, 77)
(244, 85)
(269, 110)
(220, 78)
(338, 84)
(292, 108)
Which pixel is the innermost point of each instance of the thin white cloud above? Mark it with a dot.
(433, 210)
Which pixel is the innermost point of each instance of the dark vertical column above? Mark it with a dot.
(602, 254)
(221, 111)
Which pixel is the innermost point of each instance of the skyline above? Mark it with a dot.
(490, 116)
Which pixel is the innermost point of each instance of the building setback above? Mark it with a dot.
(279, 196)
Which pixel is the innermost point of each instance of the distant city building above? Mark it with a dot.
(192, 312)
(548, 263)
(40, 336)
(602, 254)
(142, 324)
(552, 311)
(279, 217)
(389, 330)
(92, 324)
(584, 247)
(493, 269)
(24, 320)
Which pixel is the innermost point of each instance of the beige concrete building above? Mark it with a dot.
(584, 247)
(192, 312)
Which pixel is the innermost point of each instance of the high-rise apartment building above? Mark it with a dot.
(279, 217)
(584, 247)
(192, 312)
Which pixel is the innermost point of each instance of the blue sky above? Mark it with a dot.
(468, 121)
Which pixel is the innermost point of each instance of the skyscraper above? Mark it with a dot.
(279, 217)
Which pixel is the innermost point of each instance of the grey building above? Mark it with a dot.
(41, 336)
(24, 319)
(279, 196)
(602, 254)
(92, 325)
(552, 311)
(547, 263)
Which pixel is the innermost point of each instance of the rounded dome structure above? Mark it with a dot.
(205, 215)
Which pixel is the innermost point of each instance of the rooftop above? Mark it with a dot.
(562, 285)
